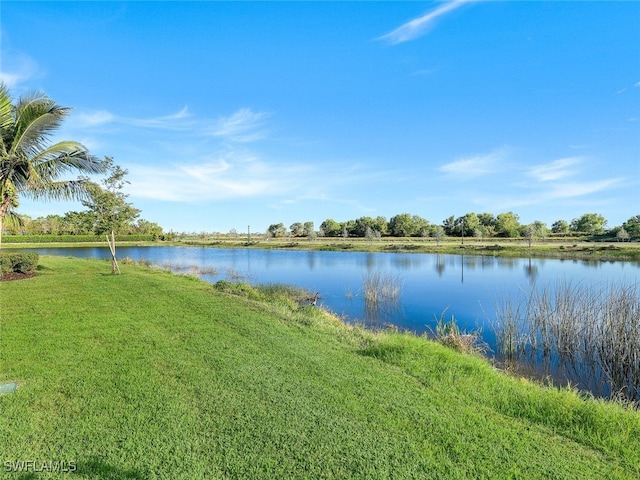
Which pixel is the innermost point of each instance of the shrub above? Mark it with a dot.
(19, 262)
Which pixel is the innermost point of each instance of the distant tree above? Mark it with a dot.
(402, 225)
(420, 226)
(29, 164)
(362, 224)
(78, 223)
(632, 226)
(438, 233)
(369, 233)
(55, 225)
(380, 225)
(487, 219)
(470, 221)
(297, 229)
(145, 227)
(622, 235)
(331, 228)
(507, 225)
(348, 228)
(449, 225)
(308, 230)
(560, 226)
(488, 231)
(534, 231)
(589, 223)
(277, 230)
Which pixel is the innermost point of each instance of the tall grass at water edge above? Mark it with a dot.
(381, 292)
(585, 334)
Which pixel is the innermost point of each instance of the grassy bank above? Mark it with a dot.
(153, 375)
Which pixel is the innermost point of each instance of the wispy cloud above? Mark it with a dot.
(16, 69)
(245, 125)
(579, 189)
(555, 170)
(93, 119)
(242, 126)
(419, 26)
(476, 165)
(230, 176)
(173, 121)
(240, 174)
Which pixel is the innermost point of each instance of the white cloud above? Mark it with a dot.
(243, 126)
(580, 189)
(172, 121)
(233, 175)
(553, 196)
(476, 165)
(419, 26)
(96, 118)
(555, 170)
(16, 69)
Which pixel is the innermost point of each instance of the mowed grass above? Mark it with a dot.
(153, 375)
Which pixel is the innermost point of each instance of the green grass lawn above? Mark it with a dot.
(152, 375)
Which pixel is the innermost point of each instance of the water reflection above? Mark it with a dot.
(531, 271)
(439, 264)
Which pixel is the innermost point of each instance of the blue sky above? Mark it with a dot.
(229, 115)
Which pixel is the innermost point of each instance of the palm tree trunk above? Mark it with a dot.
(3, 210)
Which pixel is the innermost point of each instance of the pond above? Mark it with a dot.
(414, 290)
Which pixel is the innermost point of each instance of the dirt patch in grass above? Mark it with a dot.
(10, 276)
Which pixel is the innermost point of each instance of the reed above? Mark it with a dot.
(449, 334)
(586, 334)
(381, 291)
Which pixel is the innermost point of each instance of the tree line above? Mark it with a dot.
(476, 225)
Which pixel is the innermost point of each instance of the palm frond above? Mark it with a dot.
(6, 108)
(60, 190)
(64, 157)
(37, 118)
(12, 219)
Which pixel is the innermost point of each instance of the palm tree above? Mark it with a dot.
(29, 165)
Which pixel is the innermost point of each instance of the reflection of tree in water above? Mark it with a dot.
(440, 265)
(311, 259)
(531, 271)
(381, 297)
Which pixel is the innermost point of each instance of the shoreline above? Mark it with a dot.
(575, 250)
